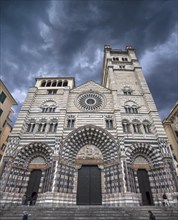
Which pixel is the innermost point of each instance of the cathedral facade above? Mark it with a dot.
(95, 144)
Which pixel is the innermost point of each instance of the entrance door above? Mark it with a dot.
(89, 186)
(144, 186)
(34, 182)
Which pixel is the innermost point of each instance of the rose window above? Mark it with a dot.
(90, 101)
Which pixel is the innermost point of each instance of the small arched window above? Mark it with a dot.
(146, 126)
(43, 83)
(42, 126)
(109, 121)
(65, 83)
(134, 109)
(127, 109)
(136, 126)
(48, 83)
(54, 83)
(124, 59)
(53, 127)
(59, 83)
(126, 126)
(31, 125)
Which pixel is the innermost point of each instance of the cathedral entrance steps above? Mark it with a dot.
(88, 213)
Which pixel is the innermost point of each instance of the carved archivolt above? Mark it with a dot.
(26, 154)
(93, 136)
(150, 153)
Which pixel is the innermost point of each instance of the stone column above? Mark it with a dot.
(54, 182)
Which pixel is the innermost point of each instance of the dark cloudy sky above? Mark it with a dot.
(66, 38)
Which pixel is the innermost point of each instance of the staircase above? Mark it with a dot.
(88, 213)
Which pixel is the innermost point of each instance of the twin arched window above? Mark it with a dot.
(126, 126)
(42, 126)
(136, 126)
(146, 126)
(53, 126)
(71, 121)
(109, 122)
(123, 59)
(31, 126)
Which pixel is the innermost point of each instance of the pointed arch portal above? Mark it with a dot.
(90, 146)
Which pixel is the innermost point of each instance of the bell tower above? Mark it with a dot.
(123, 74)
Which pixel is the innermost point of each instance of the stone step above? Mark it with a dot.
(88, 213)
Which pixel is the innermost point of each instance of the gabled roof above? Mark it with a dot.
(91, 85)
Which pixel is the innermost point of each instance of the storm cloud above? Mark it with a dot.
(66, 38)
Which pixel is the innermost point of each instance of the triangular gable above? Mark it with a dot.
(91, 85)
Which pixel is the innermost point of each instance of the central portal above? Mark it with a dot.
(89, 185)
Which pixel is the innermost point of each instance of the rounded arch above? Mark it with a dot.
(26, 154)
(59, 83)
(125, 121)
(145, 121)
(54, 83)
(43, 83)
(87, 135)
(136, 121)
(49, 102)
(65, 83)
(130, 103)
(145, 150)
(48, 83)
